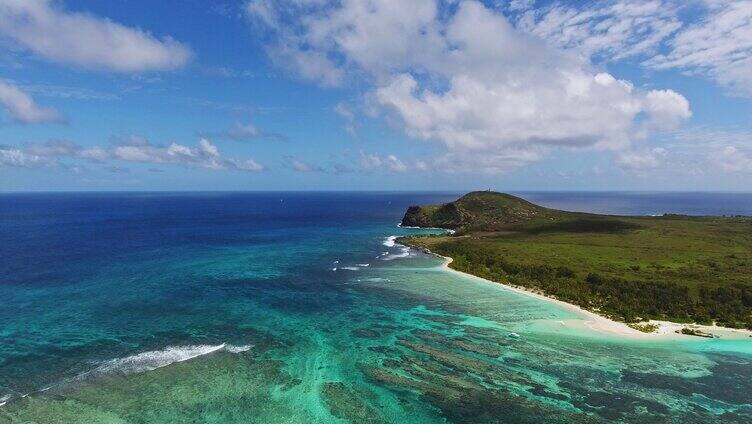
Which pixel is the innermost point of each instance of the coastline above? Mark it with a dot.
(600, 324)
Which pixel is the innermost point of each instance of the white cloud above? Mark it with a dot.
(244, 131)
(18, 158)
(241, 131)
(301, 166)
(394, 164)
(667, 109)
(734, 160)
(520, 5)
(707, 150)
(319, 39)
(711, 38)
(205, 155)
(133, 149)
(67, 92)
(616, 29)
(642, 160)
(709, 137)
(369, 161)
(346, 112)
(52, 149)
(248, 165)
(96, 154)
(22, 108)
(464, 161)
(466, 77)
(332, 167)
(310, 65)
(373, 162)
(719, 46)
(87, 41)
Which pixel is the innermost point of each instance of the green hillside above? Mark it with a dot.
(478, 210)
(679, 268)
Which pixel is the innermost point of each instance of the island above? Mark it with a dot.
(678, 268)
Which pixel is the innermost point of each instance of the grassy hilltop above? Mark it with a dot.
(673, 267)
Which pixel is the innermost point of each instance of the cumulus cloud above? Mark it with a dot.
(87, 41)
(315, 38)
(372, 162)
(639, 161)
(734, 160)
(299, 165)
(394, 164)
(719, 46)
(466, 77)
(22, 108)
(133, 149)
(205, 155)
(10, 156)
(666, 108)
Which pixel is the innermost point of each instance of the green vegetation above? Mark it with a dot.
(644, 327)
(674, 267)
(694, 332)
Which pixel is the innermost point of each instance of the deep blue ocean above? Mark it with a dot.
(296, 307)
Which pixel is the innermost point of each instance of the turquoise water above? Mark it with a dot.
(260, 308)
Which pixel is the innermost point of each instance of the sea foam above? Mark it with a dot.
(141, 362)
(389, 241)
(448, 231)
(403, 253)
(151, 360)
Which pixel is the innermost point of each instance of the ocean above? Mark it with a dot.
(299, 308)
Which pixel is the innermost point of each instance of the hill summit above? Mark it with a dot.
(485, 210)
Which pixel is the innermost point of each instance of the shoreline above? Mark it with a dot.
(600, 324)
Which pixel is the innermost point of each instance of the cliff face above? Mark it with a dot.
(415, 217)
(449, 216)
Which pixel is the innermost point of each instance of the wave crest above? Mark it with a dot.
(404, 252)
(151, 360)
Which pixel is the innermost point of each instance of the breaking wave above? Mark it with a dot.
(151, 360)
(447, 230)
(138, 363)
(403, 253)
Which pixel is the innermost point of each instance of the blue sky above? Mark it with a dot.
(373, 94)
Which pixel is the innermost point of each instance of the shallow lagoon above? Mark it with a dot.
(227, 308)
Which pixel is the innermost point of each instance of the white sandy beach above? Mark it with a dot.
(598, 323)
